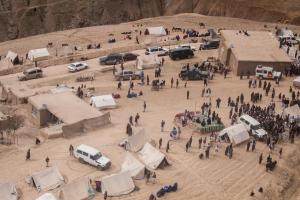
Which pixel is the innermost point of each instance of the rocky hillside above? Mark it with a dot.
(21, 18)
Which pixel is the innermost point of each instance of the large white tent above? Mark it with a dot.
(117, 184)
(151, 157)
(47, 179)
(38, 54)
(293, 112)
(137, 141)
(147, 62)
(134, 166)
(156, 31)
(47, 196)
(236, 134)
(77, 190)
(103, 102)
(8, 191)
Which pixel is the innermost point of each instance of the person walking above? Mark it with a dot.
(177, 83)
(280, 153)
(172, 82)
(105, 195)
(253, 145)
(136, 119)
(153, 178)
(200, 142)
(260, 158)
(144, 106)
(187, 146)
(28, 154)
(47, 161)
(187, 95)
(131, 120)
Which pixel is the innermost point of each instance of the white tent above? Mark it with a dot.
(134, 166)
(47, 196)
(47, 179)
(147, 62)
(236, 134)
(8, 191)
(156, 31)
(103, 102)
(13, 57)
(137, 141)
(151, 157)
(6, 64)
(77, 190)
(296, 82)
(293, 112)
(117, 184)
(38, 54)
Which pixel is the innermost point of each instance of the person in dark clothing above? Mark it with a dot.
(28, 154)
(260, 158)
(47, 161)
(187, 147)
(168, 147)
(200, 142)
(187, 94)
(253, 145)
(159, 143)
(248, 145)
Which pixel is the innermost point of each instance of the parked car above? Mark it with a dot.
(267, 73)
(212, 44)
(127, 74)
(181, 53)
(186, 46)
(129, 56)
(253, 126)
(193, 74)
(159, 51)
(111, 59)
(32, 73)
(92, 156)
(74, 67)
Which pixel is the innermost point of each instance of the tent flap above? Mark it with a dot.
(151, 157)
(135, 167)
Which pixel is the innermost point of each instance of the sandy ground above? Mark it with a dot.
(215, 179)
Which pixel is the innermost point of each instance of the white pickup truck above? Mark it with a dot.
(264, 72)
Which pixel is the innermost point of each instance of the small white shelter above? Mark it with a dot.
(236, 134)
(293, 112)
(152, 157)
(134, 166)
(147, 62)
(156, 31)
(103, 102)
(13, 57)
(47, 196)
(137, 141)
(8, 191)
(38, 54)
(117, 184)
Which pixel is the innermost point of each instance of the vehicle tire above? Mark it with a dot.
(260, 77)
(100, 168)
(81, 161)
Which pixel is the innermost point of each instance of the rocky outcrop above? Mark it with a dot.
(21, 18)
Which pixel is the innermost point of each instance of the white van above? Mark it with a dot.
(159, 51)
(253, 126)
(92, 156)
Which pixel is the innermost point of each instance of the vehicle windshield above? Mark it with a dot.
(72, 65)
(97, 156)
(256, 127)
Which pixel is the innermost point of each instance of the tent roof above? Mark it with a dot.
(47, 196)
(8, 191)
(147, 61)
(136, 141)
(65, 106)
(159, 31)
(258, 46)
(237, 133)
(117, 184)
(134, 166)
(151, 156)
(103, 101)
(35, 54)
(77, 190)
(47, 179)
(11, 55)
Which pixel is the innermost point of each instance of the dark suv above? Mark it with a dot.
(181, 53)
(111, 59)
(213, 44)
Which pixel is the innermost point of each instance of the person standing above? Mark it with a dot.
(71, 150)
(253, 145)
(131, 120)
(105, 195)
(280, 153)
(200, 142)
(28, 154)
(144, 106)
(260, 158)
(47, 161)
(159, 143)
(162, 125)
(177, 83)
(168, 147)
(187, 146)
(187, 95)
(172, 82)
(148, 80)
(248, 145)
(136, 119)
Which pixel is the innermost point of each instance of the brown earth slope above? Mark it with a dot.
(21, 18)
